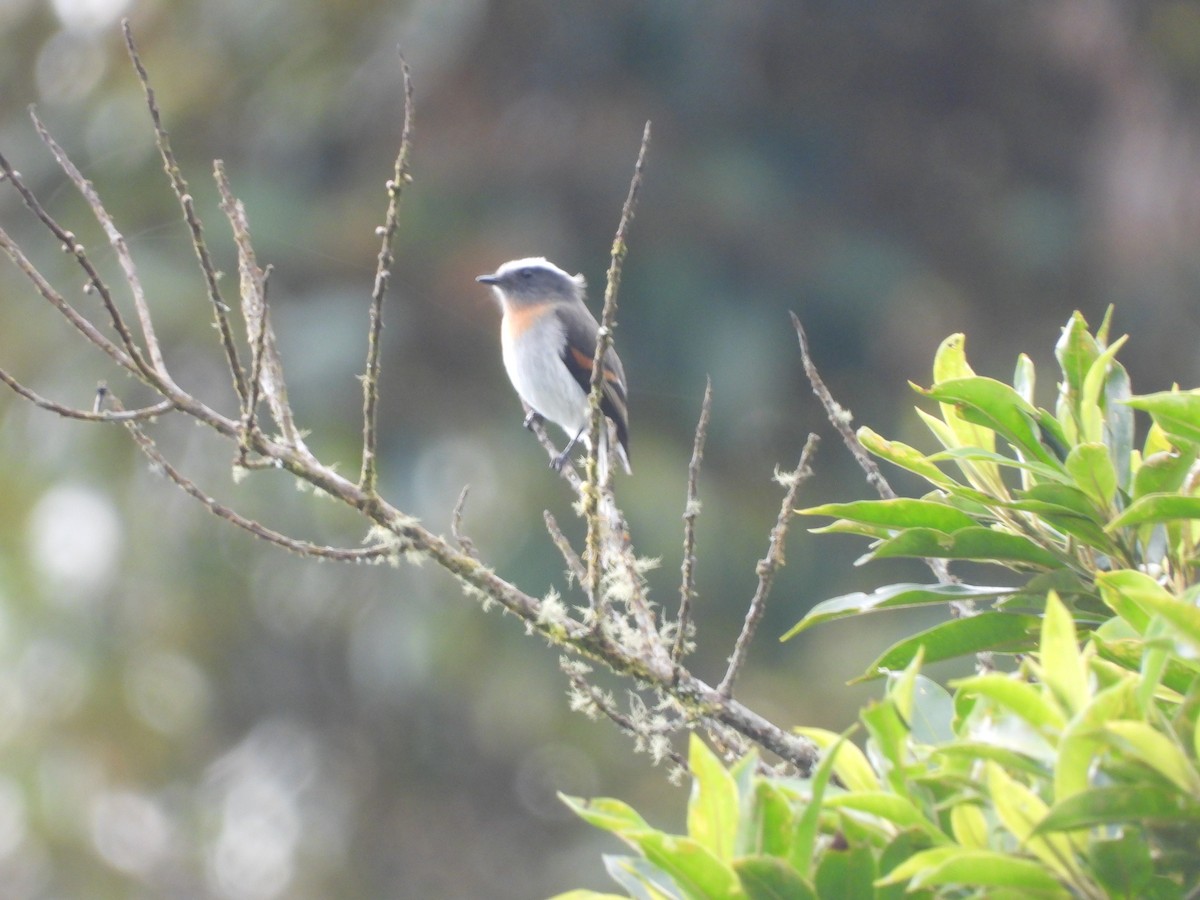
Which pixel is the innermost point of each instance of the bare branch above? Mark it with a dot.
(687, 586)
(591, 491)
(649, 737)
(115, 239)
(768, 565)
(72, 315)
(303, 548)
(574, 564)
(250, 406)
(180, 188)
(467, 545)
(841, 418)
(95, 415)
(567, 469)
(253, 296)
(632, 648)
(130, 357)
(383, 274)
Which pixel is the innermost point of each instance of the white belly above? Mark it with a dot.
(541, 377)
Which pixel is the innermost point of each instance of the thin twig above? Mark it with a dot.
(397, 534)
(131, 356)
(768, 565)
(250, 406)
(115, 239)
(840, 418)
(575, 567)
(180, 187)
(253, 290)
(691, 509)
(643, 733)
(591, 491)
(567, 469)
(55, 299)
(303, 548)
(96, 415)
(456, 529)
(383, 273)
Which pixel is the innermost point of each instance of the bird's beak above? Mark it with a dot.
(488, 279)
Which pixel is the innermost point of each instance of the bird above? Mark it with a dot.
(548, 342)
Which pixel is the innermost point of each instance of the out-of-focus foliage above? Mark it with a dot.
(1078, 774)
(184, 712)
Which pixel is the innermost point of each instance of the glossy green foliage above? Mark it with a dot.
(1075, 774)
(1067, 778)
(1061, 498)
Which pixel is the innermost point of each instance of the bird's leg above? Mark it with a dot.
(559, 461)
(531, 417)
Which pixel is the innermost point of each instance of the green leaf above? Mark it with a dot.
(805, 836)
(1152, 599)
(1176, 412)
(1163, 472)
(1062, 665)
(846, 875)
(1119, 427)
(1069, 510)
(1012, 760)
(1080, 742)
(1144, 802)
(902, 847)
(1090, 411)
(950, 363)
(931, 716)
(1075, 351)
(978, 544)
(712, 816)
(1092, 469)
(1020, 809)
(770, 823)
(975, 454)
(581, 894)
(1001, 632)
(1123, 866)
(969, 826)
(1029, 702)
(890, 737)
(692, 866)
(767, 878)
(1154, 749)
(896, 514)
(906, 457)
(1130, 653)
(976, 868)
(608, 814)
(1025, 378)
(641, 878)
(895, 808)
(850, 764)
(996, 406)
(1157, 508)
(895, 596)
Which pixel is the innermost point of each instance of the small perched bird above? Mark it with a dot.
(548, 338)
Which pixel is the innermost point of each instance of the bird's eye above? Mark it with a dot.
(527, 274)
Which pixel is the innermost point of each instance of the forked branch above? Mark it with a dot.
(630, 643)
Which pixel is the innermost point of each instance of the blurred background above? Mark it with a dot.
(185, 712)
